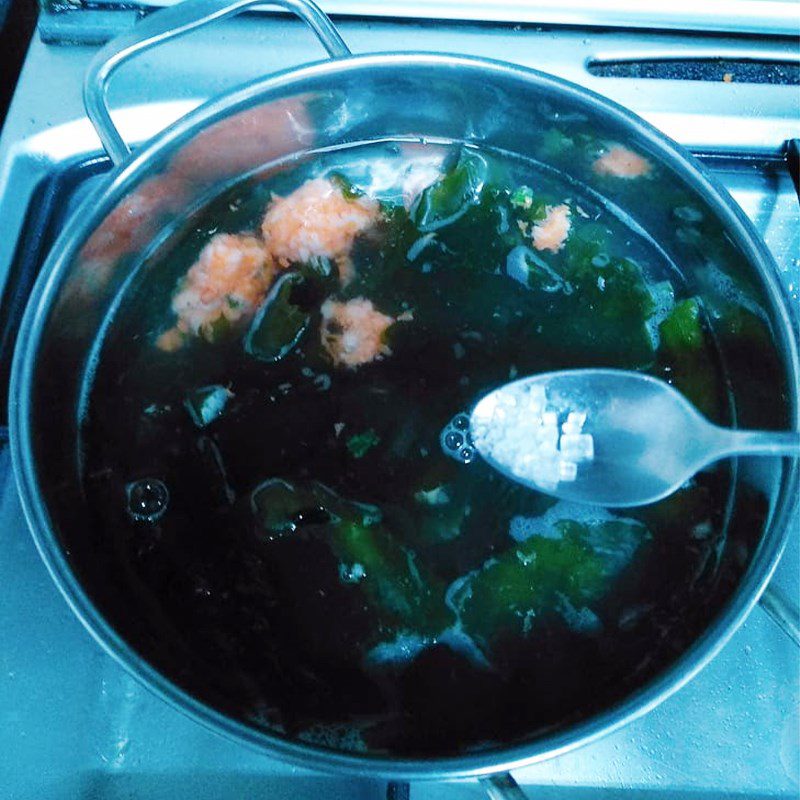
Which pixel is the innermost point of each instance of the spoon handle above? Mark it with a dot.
(762, 443)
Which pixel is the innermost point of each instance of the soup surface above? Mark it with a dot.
(286, 501)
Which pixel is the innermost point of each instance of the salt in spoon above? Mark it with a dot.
(606, 437)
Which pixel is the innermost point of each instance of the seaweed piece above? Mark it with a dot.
(686, 353)
(554, 142)
(530, 269)
(601, 316)
(207, 403)
(402, 595)
(682, 330)
(280, 508)
(361, 443)
(529, 207)
(405, 597)
(617, 292)
(217, 330)
(279, 324)
(560, 572)
(447, 200)
(436, 514)
(587, 249)
(345, 185)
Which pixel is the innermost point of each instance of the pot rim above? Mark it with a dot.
(502, 758)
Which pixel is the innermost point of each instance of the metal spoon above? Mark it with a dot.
(606, 437)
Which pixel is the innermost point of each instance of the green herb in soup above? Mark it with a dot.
(284, 371)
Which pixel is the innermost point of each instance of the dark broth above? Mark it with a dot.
(387, 610)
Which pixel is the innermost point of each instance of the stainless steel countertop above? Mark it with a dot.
(73, 724)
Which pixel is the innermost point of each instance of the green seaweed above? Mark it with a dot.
(361, 443)
(682, 330)
(279, 324)
(207, 403)
(449, 198)
(218, 330)
(527, 206)
(345, 185)
(536, 577)
(601, 316)
(587, 249)
(402, 594)
(685, 352)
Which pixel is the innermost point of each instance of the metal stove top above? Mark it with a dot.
(73, 724)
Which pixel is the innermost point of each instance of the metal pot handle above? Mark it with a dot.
(167, 24)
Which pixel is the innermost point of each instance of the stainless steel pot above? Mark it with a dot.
(345, 100)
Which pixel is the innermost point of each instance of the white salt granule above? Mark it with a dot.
(575, 422)
(567, 471)
(577, 446)
(533, 440)
(550, 419)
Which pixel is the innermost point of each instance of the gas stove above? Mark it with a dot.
(73, 724)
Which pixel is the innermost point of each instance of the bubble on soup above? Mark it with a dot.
(147, 499)
(456, 440)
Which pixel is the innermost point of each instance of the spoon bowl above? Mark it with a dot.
(606, 437)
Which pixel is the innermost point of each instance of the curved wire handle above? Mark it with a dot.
(170, 23)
